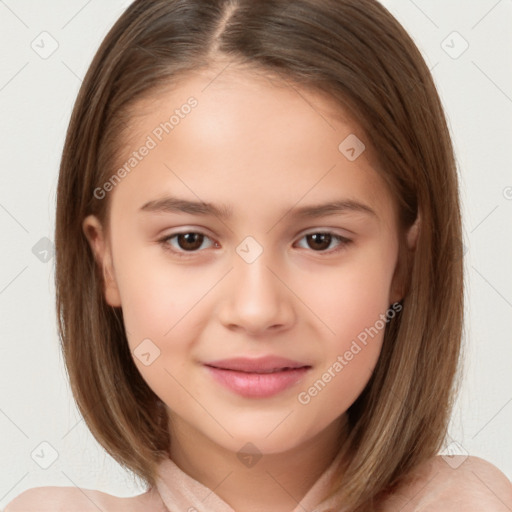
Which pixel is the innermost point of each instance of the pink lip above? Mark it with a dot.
(251, 378)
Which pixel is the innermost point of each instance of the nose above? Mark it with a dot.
(256, 297)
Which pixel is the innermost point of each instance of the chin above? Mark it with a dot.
(271, 436)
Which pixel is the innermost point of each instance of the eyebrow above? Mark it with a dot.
(177, 205)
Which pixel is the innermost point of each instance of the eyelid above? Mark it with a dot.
(330, 231)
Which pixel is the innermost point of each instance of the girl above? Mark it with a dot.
(258, 264)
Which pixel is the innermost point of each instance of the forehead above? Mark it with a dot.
(248, 137)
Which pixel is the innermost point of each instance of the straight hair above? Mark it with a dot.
(356, 53)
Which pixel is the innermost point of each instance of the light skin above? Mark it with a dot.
(264, 150)
(474, 486)
(261, 150)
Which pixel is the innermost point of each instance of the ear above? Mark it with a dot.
(412, 234)
(94, 232)
(398, 285)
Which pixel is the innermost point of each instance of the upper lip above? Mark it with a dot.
(260, 364)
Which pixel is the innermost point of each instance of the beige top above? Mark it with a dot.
(189, 495)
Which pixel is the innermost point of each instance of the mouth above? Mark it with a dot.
(267, 364)
(261, 372)
(257, 378)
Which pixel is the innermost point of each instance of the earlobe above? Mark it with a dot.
(93, 231)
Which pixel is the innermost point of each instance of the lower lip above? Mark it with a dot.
(257, 385)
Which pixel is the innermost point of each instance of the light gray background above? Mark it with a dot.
(36, 98)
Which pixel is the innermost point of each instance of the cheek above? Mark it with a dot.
(352, 303)
(159, 300)
(161, 306)
(351, 297)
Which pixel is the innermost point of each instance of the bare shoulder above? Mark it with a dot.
(445, 484)
(74, 499)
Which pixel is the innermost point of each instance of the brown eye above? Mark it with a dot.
(187, 242)
(320, 241)
(190, 242)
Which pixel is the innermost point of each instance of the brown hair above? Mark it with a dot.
(357, 53)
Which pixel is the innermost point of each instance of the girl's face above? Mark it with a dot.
(255, 276)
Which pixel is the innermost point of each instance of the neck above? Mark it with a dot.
(277, 481)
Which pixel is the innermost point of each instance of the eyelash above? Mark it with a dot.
(343, 242)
